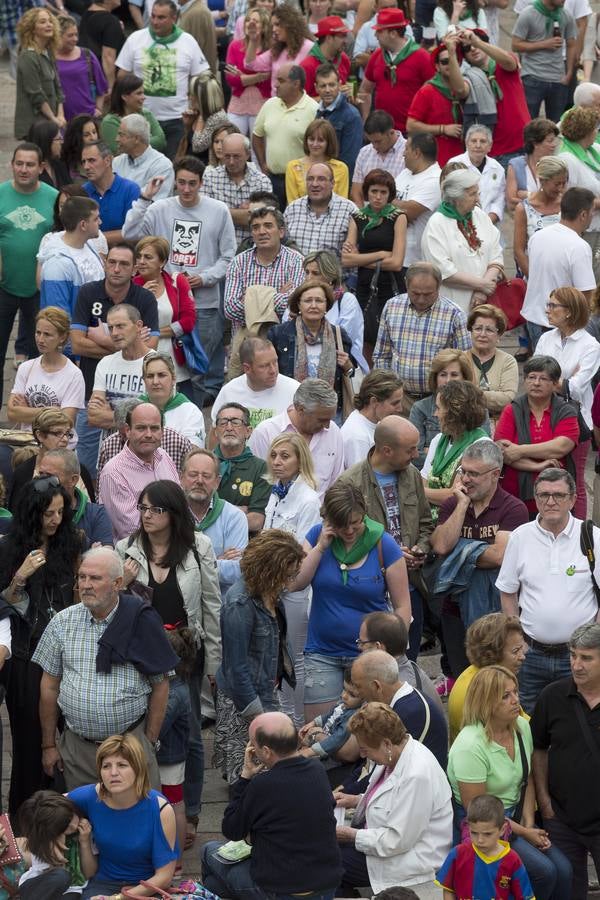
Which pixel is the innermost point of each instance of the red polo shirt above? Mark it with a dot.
(431, 107)
(310, 64)
(411, 74)
(504, 513)
(513, 114)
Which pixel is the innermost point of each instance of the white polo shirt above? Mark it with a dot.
(553, 579)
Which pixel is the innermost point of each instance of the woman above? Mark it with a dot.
(52, 240)
(492, 755)
(38, 561)
(215, 153)
(51, 380)
(320, 146)
(540, 208)
(176, 306)
(48, 137)
(307, 346)
(493, 640)
(133, 826)
(540, 138)
(249, 90)
(267, 5)
(496, 372)
(578, 355)
(255, 657)
(206, 112)
(127, 96)
(291, 41)
(578, 149)
(317, 10)
(102, 33)
(83, 82)
(380, 394)
(402, 825)
(463, 242)
(460, 13)
(354, 568)
(461, 411)
(179, 413)
(39, 94)
(376, 242)
(293, 506)
(80, 131)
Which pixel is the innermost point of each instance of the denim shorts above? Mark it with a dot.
(324, 677)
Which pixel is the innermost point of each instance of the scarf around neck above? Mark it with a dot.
(438, 82)
(226, 463)
(168, 39)
(327, 361)
(172, 403)
(589, 157)
(316, 51)
(374, 217)
(490, 72)
(361, 547)
(213, 513)
(392, 62)
(282, 488)
(551, 15)
(447, 457)
(465, 224)
(82, 502)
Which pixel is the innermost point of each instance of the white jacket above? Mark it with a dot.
(408, 831)
(297, 512)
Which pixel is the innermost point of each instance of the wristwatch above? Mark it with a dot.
(155, 745)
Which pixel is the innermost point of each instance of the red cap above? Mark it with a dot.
(390, 18)
(437, 50)
(331, 25)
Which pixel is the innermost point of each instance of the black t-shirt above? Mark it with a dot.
(100, 29)
(167, 599)
(92, 306)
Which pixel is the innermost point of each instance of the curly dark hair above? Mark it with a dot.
(296, 27)
(171, 497)
(73, 140)
(464, 405)
(269, 562)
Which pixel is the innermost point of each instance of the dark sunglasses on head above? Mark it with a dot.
(44, 483)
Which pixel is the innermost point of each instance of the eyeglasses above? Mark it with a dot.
(468, 473)
(153, 510)
(43, 484)
(235, 421)
(62, 434)
(556, 498)
(360, 643)
(484, 329)
(555, 306)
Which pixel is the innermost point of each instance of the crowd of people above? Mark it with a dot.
(266, 448)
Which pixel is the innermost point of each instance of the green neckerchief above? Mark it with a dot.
(172, 403)
(213, 513)
(590, 157)
(365, 543)
(169, 39)
(444, 455)
(316, 51)
(226, 464)
(490, 71)
(73, 858)
(393, 61)
(376, 218)
(551, 15)
(451, 212)
(438, 82)
(82, 502)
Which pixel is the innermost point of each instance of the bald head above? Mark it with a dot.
(274, 736)
(375, 676)
(236, 153)
(396, 444)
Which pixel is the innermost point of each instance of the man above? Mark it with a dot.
(243, 475)
(278, 135)
(82, 679)
(234, 181)
(26, 215)
(73, 262)
(339, 112)
(89, 331)
(140, 462)
(328, 49)
(558, 257)
(366, 42)
(545, 579)
(166, 58)
(545, 77)
(261, 389)
(269, 262)
(415, 326)
(385, 150)
(393, 491)
(418, 187)
(395, 71)
(278, 812)
(376, 679)
(138, 161)
(311, 415)
(91, 518)
(492, 180)
(113, 194)
(202, 240)
(566, 768)
(319, 221)
(118, 375)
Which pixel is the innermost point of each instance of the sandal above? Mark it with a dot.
(190, 834)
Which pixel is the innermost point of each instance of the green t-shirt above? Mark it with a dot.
(246, 485)
(24, 220)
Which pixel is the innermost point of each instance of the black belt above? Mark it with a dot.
(548, 649)
(125, 731)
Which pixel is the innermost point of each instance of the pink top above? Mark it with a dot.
(264, 61)
(236, 53)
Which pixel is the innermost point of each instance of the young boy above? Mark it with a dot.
(326, 734)
(486, 868)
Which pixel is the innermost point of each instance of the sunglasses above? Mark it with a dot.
(44, 483)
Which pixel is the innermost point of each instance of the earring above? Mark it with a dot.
(389, 756)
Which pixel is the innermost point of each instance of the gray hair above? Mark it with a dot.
(553, 475)
(586, 637)
(485, 451)
(69, 460)
(423, 268)
(478, 128)
(114, 563)
(314, 393)
(261, 211)
(586, 93)
(245, 141)
(137, 125)
(455, 184)
(103, 149)
(378, 665)
(132, 312)
(123, 408)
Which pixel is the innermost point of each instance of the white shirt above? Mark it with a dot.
(557, 257)
(423, 188)
(188, 420)
(261, 404)
(582, 176)
(297, 512)
(358, 435)
(552, 578)
(492, 183)
(581, 351)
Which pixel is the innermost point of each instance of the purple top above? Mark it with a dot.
(75, 80)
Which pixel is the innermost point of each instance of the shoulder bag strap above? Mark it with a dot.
(586, 542)
(587, 733)
(417, 674)
(338, 338)
(91, 78)
(524, 781)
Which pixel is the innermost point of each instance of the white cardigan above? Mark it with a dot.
(297, 512)
(408, 831)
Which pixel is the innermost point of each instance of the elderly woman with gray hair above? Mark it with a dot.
(493, 180)
(463, 242)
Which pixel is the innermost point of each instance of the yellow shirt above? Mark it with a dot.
(283, 129)
(456, 701)
(295, 178)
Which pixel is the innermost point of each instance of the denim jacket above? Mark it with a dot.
(175, 730)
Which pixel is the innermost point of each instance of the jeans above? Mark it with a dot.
(551, 93)
(27, 307)
(194, 763)
(535, 332)
(549, 871)
(324, 677)
(173, 129)
(576, 847)
(504, 158)
(210, 324)
(415, 632)
(89, 442)
(538, 670)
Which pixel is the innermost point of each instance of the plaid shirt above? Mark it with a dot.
(173, 443)
(218, 185)
(368, 158)
(94, 705)
(407, 340)
(10, 13)
(324, 232)
(245, 270)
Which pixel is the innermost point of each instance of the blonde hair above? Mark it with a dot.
(160, 244)
(58, 318)
(129, 747)
(303, 455)
(50, 418)
(551, 167)
(483, 696)
(443, 359)
(26, 30)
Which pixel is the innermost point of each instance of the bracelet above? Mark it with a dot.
(48, 746)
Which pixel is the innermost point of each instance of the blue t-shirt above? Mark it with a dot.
(131, 842)
(114, 203)
(338, 609)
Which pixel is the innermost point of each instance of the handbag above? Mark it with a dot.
(347, 387)
(508, 297)
(188, 349)
(12, 864)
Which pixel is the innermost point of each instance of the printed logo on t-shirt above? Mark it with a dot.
(25, 218)
(260, 415)
(390, 498)
(159, 71)
(40, 395)
(185, 242)
(120, 385)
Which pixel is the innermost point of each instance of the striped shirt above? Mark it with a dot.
(173, 443)
(325, 232)
(218, 184)
(368, 158)
(408, 340)
(245, 270)
(94, 705)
